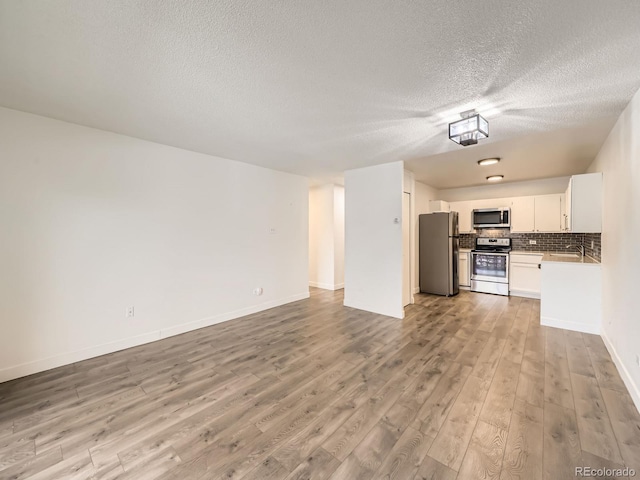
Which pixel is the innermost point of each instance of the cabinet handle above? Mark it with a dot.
(539, 266)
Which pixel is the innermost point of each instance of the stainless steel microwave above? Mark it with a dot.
(492, 218)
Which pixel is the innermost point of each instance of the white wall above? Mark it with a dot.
(505, 190)
(423, 195)
(373, 239)
(326, 237)
(93, 222)
(619, 160)
(338, 236)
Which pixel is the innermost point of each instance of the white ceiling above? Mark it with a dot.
(317, 87)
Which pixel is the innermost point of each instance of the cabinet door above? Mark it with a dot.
(586, 203)
(491, 203)
(548, 213)
(525, 278)
(523, 214)
(464, 215)
(567, 208)
(463, 269)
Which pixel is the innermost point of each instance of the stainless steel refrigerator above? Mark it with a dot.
(439, 246)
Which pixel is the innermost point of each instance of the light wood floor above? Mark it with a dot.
(467, 387)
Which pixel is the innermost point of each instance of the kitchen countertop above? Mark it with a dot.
(547, 258)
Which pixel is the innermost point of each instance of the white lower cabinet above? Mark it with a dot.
(464, 278)
(525, 275)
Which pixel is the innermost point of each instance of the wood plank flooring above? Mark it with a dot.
(467, 387)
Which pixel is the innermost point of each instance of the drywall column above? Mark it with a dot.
(619, 161)
(326, 237)
(373, 239)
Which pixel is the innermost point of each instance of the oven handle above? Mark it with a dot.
(490, 253)
(490, 279)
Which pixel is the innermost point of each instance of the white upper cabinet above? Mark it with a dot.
(566, 220)
(465, 209)
(522, 214)
(548, 213)
(583, 212)
(491, 203)
(540, 213)
(464, 215)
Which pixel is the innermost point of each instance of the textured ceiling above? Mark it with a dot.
(317, 87)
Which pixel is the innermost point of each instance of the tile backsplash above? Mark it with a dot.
(545, 242)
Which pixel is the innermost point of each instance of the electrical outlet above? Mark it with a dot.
(272, 231)
(257, 291)
(130, 312)
(591, 244)
(533, 242)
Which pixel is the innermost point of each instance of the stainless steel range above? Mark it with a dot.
(490, 265)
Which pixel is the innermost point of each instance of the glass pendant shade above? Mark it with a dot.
(469, 130)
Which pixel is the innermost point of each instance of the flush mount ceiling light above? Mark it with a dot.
(488, 161)
(495, 178)
(470, 129)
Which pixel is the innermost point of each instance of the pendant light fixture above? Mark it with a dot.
(471, 128)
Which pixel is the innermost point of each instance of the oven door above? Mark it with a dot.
(490, 267)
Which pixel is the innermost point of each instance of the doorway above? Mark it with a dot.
(406, 250)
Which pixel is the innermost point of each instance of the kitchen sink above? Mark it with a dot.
(565, 255)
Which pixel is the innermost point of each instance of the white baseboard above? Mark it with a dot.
(224, 317)
(327, 286)
(43, 364)
(575, 326)
(395, 314)
(524, 293)
(416, 290)
(634, 391)
(40, 365)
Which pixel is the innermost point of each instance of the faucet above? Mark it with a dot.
(579, 247)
